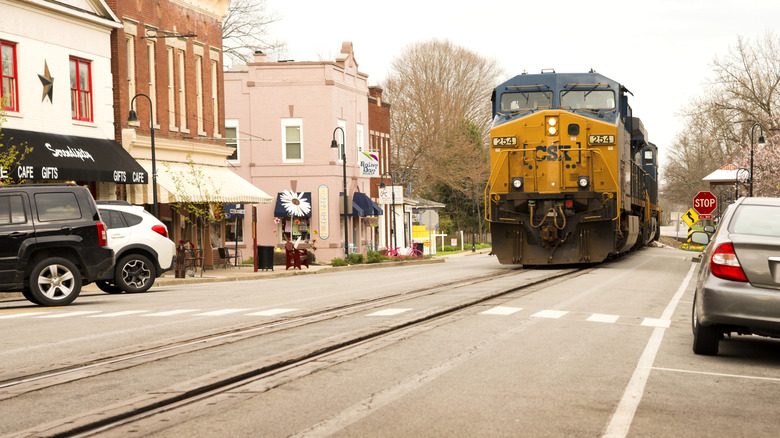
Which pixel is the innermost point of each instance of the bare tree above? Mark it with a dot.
(246, 29)
(745, 90)
(440, 93)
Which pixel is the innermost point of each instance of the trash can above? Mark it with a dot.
(265, 257)
(420, 246)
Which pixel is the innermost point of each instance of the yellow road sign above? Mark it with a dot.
(690, 217)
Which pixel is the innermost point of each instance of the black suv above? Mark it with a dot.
(52, 241)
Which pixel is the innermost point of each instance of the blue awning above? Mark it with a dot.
(365, 205)
(281, 211)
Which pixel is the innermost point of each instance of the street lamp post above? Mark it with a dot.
(392, 199)
(473, 213)
(761, 142)
(133, 117)
(343, 150)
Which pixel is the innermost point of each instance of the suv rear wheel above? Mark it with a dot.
(134, 273)
(107, 287)
(55, 282)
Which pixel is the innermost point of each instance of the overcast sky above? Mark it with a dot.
(661, 50)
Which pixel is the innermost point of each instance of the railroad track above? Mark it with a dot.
(269, 370)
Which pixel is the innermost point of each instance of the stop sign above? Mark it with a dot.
(704, 202)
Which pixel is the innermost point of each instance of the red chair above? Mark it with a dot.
(295, 257)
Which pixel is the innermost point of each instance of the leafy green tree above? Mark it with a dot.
(11, 152)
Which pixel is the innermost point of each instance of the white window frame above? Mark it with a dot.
(130, 46)
(359, 143)
(151, 51)
(171, 89)
(286, 123)
(199, 93)
(214, 100)
(233, 123)
(182, 94)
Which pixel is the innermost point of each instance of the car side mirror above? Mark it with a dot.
(700, 237)
(709, 229)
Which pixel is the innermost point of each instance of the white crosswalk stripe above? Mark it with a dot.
(389, 312)
(552, 314)
(21, 314)
(222, 312)
(271, 312)
(654, 322)
(173, 312)
(502, 310)
(68, 314)
(115, 314)
(600, 317)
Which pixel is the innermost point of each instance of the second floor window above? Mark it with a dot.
(8, 84)
(292, 140)
(80, 89)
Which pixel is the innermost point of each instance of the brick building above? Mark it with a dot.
(167, 66)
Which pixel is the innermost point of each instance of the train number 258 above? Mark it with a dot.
(558, 153)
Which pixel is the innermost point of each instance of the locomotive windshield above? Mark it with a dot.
(526, 100)
(588, 99)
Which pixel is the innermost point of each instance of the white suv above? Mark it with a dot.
(141, 247)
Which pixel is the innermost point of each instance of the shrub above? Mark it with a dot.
(338, 262)
(355, 259)
(375, 257)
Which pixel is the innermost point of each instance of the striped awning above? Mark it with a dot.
(186, 182)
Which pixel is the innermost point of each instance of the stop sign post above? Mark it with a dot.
(704, 203)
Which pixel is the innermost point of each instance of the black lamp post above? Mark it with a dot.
(343, 150)
(392, 198)
(473, 213)
(133, 117)
(761, 142)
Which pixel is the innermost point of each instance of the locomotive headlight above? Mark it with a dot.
(583, 181)
(551, 125)
(517, 182)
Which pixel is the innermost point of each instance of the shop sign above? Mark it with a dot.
(322, 199)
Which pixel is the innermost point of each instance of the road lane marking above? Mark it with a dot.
(221, 312)
(501, 310)
(389, 312)
(172, 312)
(271, 312)
(115, 314)
(736, 376)
(624, 414)
(19, 315)
(601, 317)
(552, 314)
(67, 314)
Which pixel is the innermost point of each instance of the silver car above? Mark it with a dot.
(738, 286)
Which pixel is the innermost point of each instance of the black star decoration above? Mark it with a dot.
(48, 83)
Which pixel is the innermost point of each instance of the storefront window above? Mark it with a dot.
(294, 228)
(234, 230)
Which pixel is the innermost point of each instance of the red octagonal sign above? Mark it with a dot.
(705, 202)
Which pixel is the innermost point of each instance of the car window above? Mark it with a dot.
(132, 219)
(12, 210)
(57, 206)
(759, 220)
(112, 219)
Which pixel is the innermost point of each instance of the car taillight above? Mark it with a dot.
(161, 230)
(724, 263)
(102, 237)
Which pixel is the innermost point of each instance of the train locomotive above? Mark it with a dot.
(573, 177)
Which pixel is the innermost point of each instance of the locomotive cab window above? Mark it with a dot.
(526, 100)
(588, 99)
(648, 157)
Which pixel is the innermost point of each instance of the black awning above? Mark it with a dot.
(57, 157)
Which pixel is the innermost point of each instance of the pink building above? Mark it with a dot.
(284, 116)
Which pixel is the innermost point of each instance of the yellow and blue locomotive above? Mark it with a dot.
(573, 178)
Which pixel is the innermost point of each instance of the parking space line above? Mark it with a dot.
(67, 314)
(736, 376)
(172, 312)
(221, 312)
(115, 314)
